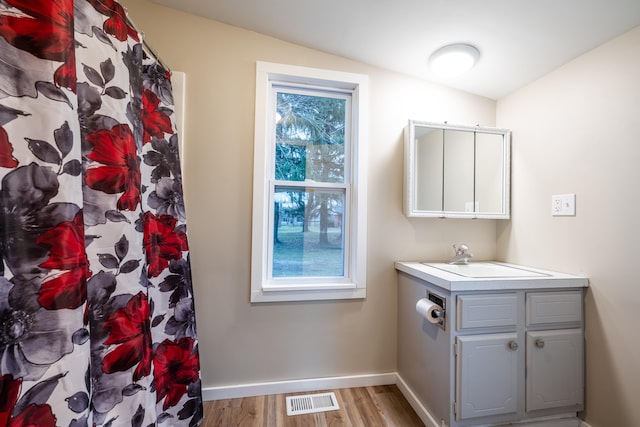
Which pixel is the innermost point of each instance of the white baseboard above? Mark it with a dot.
(413, 400)
(295, 386)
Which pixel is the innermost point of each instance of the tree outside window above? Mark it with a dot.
(310, 148)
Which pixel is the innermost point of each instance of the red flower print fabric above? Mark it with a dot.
(162, 242)
(44, 29)
(32, 415)
(176, 366)
(155, 122)
(97, 322)
(116, 24)
(68, 287)
(115, 149)
(130, 332)
(6, 151)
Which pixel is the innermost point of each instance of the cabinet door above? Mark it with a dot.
(555, 369)
(486, 375)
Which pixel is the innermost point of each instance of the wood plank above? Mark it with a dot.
(359, 407)
(396, 410)
(273, 409)
(350, 407)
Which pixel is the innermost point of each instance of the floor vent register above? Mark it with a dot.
(311, 403)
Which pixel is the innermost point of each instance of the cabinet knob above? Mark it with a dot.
(539, 343)
(513, 345)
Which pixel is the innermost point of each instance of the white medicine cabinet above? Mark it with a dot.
(456, 171)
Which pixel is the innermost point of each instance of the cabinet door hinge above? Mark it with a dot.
(455, 410)
(455, 348)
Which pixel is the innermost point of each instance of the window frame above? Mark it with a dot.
(353, 285)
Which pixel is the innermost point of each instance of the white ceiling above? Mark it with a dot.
(519, 40)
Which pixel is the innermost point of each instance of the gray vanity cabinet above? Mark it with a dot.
(488, 366)
(502, 356)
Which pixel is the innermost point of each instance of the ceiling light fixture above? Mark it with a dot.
(453, 60)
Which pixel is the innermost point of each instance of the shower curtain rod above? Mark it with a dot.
(152, 51)
(145, 44)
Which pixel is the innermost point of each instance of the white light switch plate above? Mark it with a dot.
(563, 205)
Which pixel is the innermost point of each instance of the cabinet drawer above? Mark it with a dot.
(554, 307)
(484, 311)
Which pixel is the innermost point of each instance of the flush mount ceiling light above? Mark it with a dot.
(453, 60)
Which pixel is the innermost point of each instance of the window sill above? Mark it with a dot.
(300, 293)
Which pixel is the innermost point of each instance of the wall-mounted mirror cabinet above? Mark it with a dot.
(454, 171)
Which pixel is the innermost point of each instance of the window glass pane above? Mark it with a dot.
(308, 233)
(310, 138)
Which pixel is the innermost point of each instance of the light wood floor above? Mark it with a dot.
(377, 406)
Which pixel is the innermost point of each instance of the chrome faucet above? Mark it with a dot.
(462, 255)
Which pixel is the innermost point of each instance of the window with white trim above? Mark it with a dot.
(309, 184)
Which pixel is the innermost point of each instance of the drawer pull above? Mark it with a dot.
(513, 345)
(540, 343)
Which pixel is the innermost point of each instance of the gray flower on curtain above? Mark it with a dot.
(26, 212)
(31, 338)
(165, 158)
(183, 322)
(156, 78)
(178, 282)
(167, 198)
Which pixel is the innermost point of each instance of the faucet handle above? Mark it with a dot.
(461, 250)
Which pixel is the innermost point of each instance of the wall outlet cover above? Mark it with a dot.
(563, 205)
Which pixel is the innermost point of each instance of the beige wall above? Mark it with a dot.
(577, 131)
(242, 343)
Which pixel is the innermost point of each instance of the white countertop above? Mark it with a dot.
(540, 279)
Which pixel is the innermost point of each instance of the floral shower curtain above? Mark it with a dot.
(96, 305)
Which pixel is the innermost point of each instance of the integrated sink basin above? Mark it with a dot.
(487, 276)
(480, 270)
